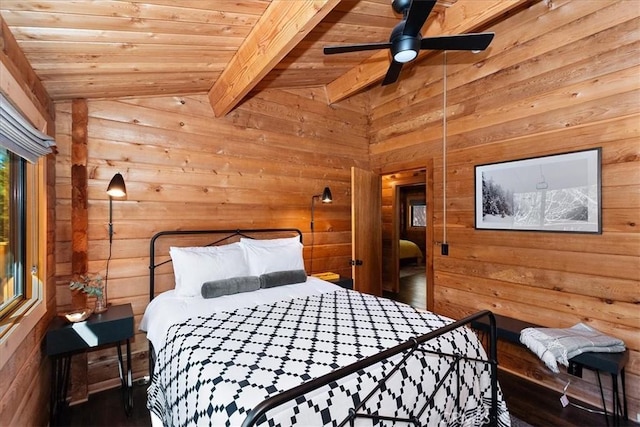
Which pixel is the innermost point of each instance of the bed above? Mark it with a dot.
(270, 346)
(408, 251)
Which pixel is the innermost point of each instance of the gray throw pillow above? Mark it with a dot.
(233, 285)
(280, 278)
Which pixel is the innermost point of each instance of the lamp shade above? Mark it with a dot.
(116, 187)
(326, 195)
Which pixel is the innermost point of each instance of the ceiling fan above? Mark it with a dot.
(406, 41)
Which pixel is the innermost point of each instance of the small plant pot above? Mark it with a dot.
(101, 305)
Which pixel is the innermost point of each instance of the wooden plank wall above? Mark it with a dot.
(258, 167)
(559, 76)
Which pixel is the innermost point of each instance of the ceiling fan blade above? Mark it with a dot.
(474, 41)
(393, 72)
(329, 50)
(418, 13)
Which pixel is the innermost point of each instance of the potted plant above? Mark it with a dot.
(91, 286)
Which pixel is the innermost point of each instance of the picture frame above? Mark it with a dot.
(555, 193)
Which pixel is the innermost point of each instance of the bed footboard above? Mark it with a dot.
(409, 346)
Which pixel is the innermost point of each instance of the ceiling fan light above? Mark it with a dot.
(405, 48)
(405, 56)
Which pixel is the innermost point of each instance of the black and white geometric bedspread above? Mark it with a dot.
(213, 371)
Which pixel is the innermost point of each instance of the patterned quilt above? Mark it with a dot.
(214, 370)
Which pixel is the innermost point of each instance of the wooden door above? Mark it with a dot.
(366, 231)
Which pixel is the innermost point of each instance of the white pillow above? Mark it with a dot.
(269, 243)
(194, 266)
(268, 256)
(205, 248)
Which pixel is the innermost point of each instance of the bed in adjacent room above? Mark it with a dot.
(408, 252)
(245, 337)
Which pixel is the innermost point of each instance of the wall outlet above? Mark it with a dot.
(444, 250)
(575, 369)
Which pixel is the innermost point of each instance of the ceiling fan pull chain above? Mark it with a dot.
(444, 148)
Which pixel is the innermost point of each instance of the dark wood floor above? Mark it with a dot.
(528, 402)
(413, 289)
(540, 406)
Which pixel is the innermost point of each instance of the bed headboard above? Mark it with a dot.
(161, 241)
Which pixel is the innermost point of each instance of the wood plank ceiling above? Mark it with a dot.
(227, 48)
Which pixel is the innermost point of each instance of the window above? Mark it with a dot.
(13, 231)
(417, 213)
(23, 215)
(24, 252)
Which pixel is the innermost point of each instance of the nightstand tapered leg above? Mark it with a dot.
(60, 372)
(125, 379)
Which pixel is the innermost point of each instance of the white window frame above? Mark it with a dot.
(410, 203)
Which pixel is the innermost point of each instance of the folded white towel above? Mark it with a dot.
(560, 345)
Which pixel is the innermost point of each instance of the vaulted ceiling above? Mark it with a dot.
(226, 48)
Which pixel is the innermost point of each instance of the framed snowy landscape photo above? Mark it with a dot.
(552, 193)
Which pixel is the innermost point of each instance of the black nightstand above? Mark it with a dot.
(344, 282)
(65, 339)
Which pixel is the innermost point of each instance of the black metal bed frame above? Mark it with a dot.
(409, 347)
(228, 234)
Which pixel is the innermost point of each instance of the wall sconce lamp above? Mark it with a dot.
(116, 188)
(325, 197)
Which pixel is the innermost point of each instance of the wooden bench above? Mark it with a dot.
(508, 329)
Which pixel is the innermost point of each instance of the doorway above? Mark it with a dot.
(412, 223)
(406, 237)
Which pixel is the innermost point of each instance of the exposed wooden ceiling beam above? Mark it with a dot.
(281, 27)
(464, 16)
